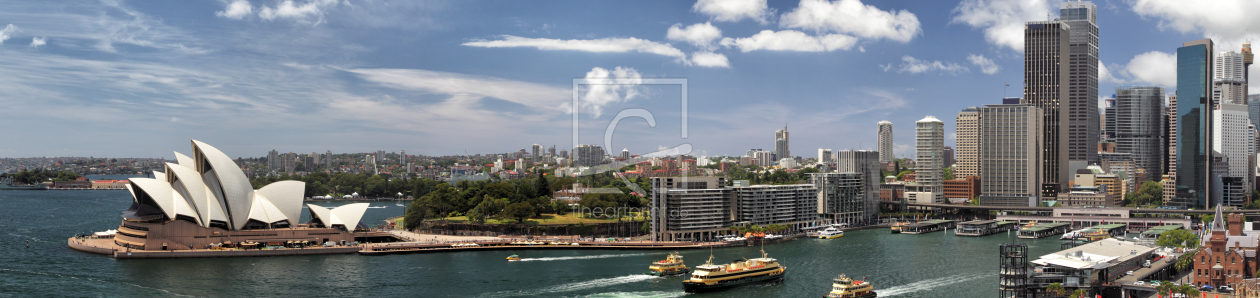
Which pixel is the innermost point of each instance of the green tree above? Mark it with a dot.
(519, 211)
(1056, 289)
(1080, 293)
(949, 173)
(1149, 193)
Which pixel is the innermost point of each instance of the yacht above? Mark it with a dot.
(830, 233)
(845, 287)
(710, 277)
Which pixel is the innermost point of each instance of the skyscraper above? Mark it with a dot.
(1228, 82)
(824, 155)
(929, 148)
(1082, 126)
(948, 155)
(273, 160)
(781, 144)
(1194, 99)
(1046, 86)
(967, 151)
(865, 162)
(1138, 127)
(1171, 163)
(1010, 149)
(1232, 138)
(1253, 112)
(885, 141)
(537, 151)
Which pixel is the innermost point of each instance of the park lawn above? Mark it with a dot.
(550, 219)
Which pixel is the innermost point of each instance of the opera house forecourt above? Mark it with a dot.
(204, 206)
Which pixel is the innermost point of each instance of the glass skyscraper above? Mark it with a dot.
(1194, 107)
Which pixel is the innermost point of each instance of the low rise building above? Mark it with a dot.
(1228, 255)
(1088, 196)
(966, 188)
(1086, 266)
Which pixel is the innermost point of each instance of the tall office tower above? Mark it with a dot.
(781, 144)
(824, 155)
(551, 151)
(328, 159)
(1139, 127)
(967, 132)
(1046, 54)
(865, 162)
(537, 151)
(380, 155)
(625, 153)
(273, 160)
(1171, 162)
(1253, 112)
(930, 166)
(1228, 82)
(1109, 119)
(885, 141)
(1231, 138)
(1082, 126)
(948, 155)
(1010, 155)
(402, 157)
(1194, 106)
(588, 155)
(763, 158)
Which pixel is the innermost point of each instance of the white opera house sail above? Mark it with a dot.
(204, 199)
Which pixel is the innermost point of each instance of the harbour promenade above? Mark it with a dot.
(443, 243)
(106, 246)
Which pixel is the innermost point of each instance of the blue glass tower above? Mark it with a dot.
(1194, 112)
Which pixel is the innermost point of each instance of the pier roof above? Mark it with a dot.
(1045, 226)
(1097, 255)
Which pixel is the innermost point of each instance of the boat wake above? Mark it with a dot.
(577, 286)
(579, 258)
(657, 294)
(381, 207)
(925, 285)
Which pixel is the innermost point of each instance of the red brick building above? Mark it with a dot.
(963, 188)
(1227, 256)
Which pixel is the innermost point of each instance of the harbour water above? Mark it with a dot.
(929, 265)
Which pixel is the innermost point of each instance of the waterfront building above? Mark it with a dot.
(892, 191)
(775, 204)
(1089, 266)
(841, 196)
(1138, 126)
(690, 208)
(1228, 255)
(967, 135)
(1046, 86)
(885, 142)
(781, 143)
(929, 146)
(205, 198)
(1010, 155)
(1194, 94)
(1089, 196)
(864, 162)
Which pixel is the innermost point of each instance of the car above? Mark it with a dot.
(1155, 283)
(1207, 288)
(1146, 264)
(1139, 283)
(1128, 273)
(1225, 289)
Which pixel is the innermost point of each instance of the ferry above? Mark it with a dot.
(710, 277)
(513, 258)
(671, 265)
(845, 287)
(896, 227)
(830, 233)
(1074, 234)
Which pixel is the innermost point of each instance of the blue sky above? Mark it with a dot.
(141, 78)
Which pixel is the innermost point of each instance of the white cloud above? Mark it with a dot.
(603, 45)
(709, 59)
(1154, 67)
(912, 65)
(625, 88)
(7, 32)
(1104, 74)
(734, 10)
(791, 40)
(986, 66)
(1002, 20)
(700, 35)
(528, 94)
(38, 41)
(236, 10)
(852, 17)
(288, 9)
(1229, 20)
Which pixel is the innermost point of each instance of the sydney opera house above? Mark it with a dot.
(205, 200)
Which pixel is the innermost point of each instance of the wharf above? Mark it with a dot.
(106, 246)
(397, 248)
(977, 228)
(924, 227)
(1044, 230)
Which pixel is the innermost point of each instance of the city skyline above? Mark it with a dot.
(363, 76)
